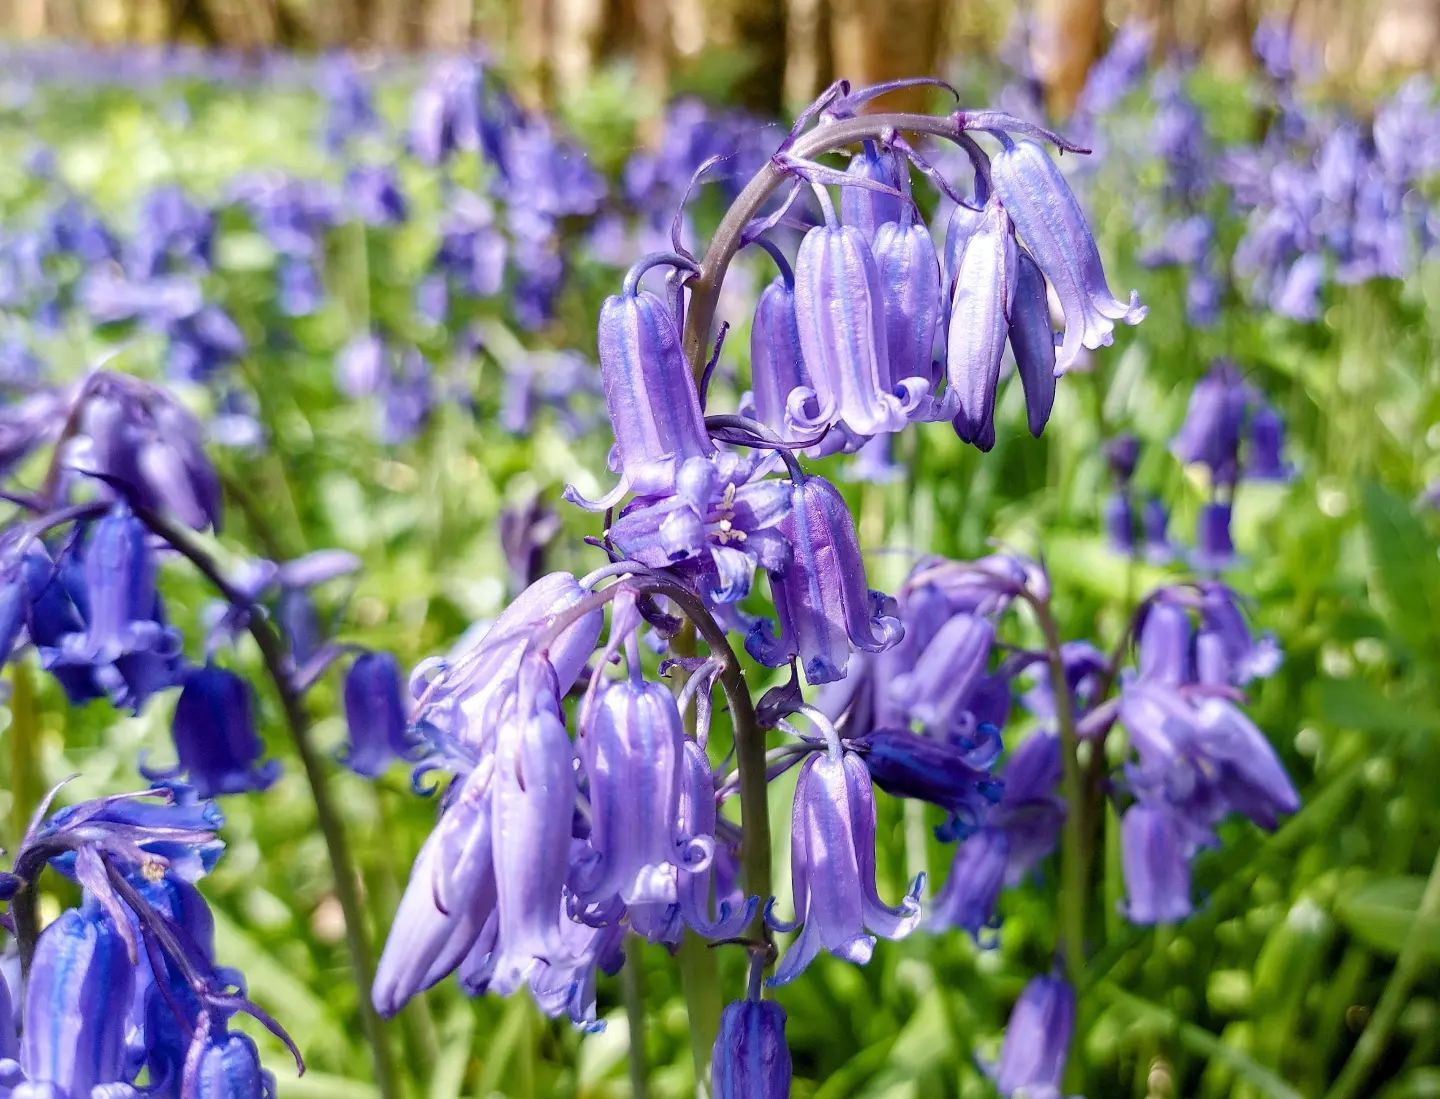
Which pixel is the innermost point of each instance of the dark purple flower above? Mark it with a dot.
(215, 737)
(968, 899)
(1120, 522)
(1227, 652)
(1154, 522)
(1210, 434)
(1032, 341)
(946, 672)
(1047, 215)
(944, 773)
(751, 1059)
(374, 714)
(76, 1001)
(1037, 1041)
(126, 642)
(1267, 442)
(1164, 644)
(226, 1065)
(833, 867)
(821, 599)
(1214, 549)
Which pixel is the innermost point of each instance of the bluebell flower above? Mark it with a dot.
(1037, 1041)
(173, 234)
(721, 523)
(1214, 548)
(1047, 215)
(125, 642)
(449, 901)
(1214, 422)
(979, 325)
(445, 113)
(374, 714)
(833, 867)
(649, 392)
(299, 292)
(1155, 859)
(373, 191)
(866, 209)
(821, 599)
(472, 249)
(218, 746)
(631, 746)
(76, 1003)
(751, 1059)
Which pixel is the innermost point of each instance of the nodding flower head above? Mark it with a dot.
(821, 599)
(840, 311)
(1210, 435)
(980, 310)
(140, 441)
(910, 290)
(374, 714)
(867, 209)
(460, 699)
(649, 392)
(751, 1059)
(215, 735)
(833, 867)
(125, 644)
(1048, 217)
(1037, 1040)
(632, 750)
(1155, 858)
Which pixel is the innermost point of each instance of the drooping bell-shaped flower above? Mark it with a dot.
(910, 290)
(1033, 342)
(374, 714)
(698, 818)
(1154, 524)
(1120, 522)
(967, 901)
(215, 736)
(863, 207)
(632, 750)
(1227, 652)
(125, 641)
(532, 811)
(840, 312)
(448, 900)
(821, 599)
(833, 867)
(1252, 779)
(1037, 1041)
(649, 392)
(139, 439)
(460, 698)
(76, 1002)
(936, 770)
(1214, 419)
(1164, 644)
(946, 673)
(1267, 443)
(1214, 547)
(1156, 863)
(1048, 217)
(751, 1059)
(225, 1064)
(980, 307)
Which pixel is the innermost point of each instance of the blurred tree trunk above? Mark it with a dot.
(1229, 30)
(1065, 43)
(809, 61)
(758, 27)
(878, 40)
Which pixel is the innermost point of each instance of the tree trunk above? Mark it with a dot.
(1065, 43)
(879, 40)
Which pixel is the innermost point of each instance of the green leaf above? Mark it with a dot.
(1381, 913)
(1405, 573)
(1356, 704)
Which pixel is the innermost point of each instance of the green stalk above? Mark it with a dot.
(24, 735)
(1355, 1078)
(700, 984)
(632, 989)
(332, 827)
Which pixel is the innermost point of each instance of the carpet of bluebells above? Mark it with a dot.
(427, 566)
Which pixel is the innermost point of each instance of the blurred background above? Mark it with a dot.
(393, 223)
(764, 54)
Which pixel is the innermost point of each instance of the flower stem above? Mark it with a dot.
(1355, 1078)
(332, 828)
(1074, 876)
(632, 988)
